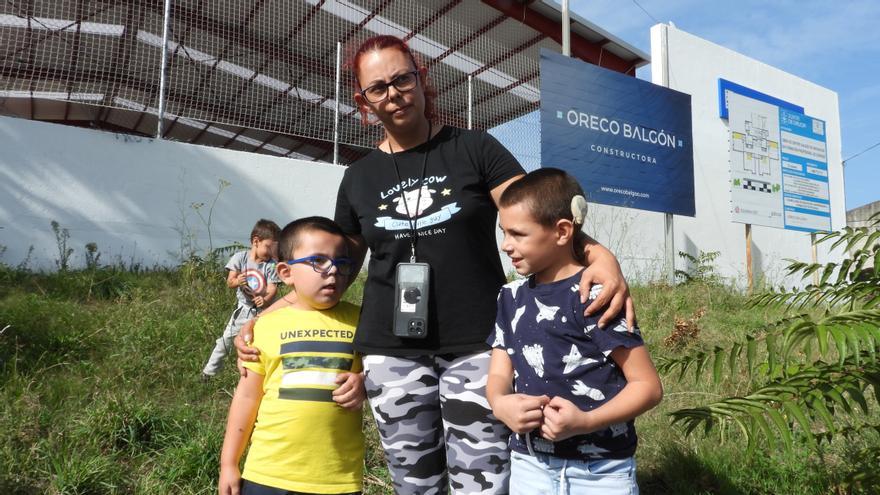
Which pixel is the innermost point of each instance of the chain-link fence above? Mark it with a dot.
(259, 75)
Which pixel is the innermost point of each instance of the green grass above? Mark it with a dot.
(100, 390)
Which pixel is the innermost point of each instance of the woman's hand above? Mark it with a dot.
(245, 351)
(615, 292)
(245, 337)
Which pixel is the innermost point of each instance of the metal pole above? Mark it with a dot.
(815, 258)
(566, 30)
(668, 218)
(336, 109)
(163, 69)
(669, 247)
(470, 101)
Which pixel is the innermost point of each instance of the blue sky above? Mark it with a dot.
(833, 44)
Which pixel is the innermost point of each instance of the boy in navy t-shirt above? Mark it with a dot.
(567, 389)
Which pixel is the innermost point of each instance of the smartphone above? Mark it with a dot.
(411, 293)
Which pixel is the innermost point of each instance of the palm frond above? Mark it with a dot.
(811, 373)
(812, 402)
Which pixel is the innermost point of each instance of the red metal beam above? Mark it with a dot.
(74, 56)
(245, 38)
(265, 143)
(59, 32)
(351, 32)
(345, 151)
(37, 73)
(431, 20)
(249, 41)
(467, 39)
(581, 48)
(501, 91)
(268, 58)
(528, 107)
(492, 63)
(121, 57)
(528, 44)
(32, 50)
(208, 76)
(182, 41)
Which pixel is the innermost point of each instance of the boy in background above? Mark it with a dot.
(567, 389)
(303, 398)
(251, 273)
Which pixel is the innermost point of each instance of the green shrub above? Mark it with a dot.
(813, 375)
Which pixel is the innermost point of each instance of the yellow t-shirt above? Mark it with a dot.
(302, 440)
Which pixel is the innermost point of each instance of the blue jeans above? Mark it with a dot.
(547, 475)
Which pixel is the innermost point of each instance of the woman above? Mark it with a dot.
(429, 192)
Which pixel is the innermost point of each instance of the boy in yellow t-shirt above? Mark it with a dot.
(303, 399)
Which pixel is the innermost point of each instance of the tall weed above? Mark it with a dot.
(100, 388)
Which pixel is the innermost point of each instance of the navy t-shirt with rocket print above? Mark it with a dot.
(556, 351)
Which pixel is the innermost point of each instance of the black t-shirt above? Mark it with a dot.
(456, 229)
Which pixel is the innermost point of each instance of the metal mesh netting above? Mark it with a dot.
(258, 75)
(77, 51)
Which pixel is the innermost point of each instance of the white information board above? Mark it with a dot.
(778, 166)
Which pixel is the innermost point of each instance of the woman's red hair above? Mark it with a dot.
(382, 42)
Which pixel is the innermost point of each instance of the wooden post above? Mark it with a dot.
(749, 255)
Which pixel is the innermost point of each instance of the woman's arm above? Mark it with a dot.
(498, 190)
(603, 268)
(247, 352)
(357, 251)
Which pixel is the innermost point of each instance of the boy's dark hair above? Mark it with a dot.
(546, 193)
(291, 234)
(265, 229)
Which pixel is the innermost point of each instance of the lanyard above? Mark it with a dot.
(413, 220)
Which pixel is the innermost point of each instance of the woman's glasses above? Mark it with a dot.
(323, 264)
(402, 83)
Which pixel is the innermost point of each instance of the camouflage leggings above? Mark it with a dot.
(437, 428)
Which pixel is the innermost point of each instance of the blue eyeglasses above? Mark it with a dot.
(323, 264)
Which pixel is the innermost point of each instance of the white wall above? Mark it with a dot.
(132, 196)
(694, 66)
